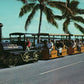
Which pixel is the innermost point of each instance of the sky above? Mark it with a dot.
(9, 17)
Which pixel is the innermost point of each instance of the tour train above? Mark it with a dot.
(13, 53)
(44, 53)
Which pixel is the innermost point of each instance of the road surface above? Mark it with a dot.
(65, 70)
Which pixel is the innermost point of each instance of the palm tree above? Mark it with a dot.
(71, 15)
(33, 7)
(44, 7)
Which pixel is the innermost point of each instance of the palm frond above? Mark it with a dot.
(50, 16)
(80, 28)
(56, 2)
(78, 19)
(26, 8)
(65, 26)
(57, 5)
(28, 21)
(42, 0)
(60, 17)
(61, 6)
(74, 4)
(80, 11)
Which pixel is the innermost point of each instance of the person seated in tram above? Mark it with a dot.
(74, 44)
(60, 47)
(39, 45)
(83, 41)
(68, 43)
(28, 44)
(57, 47)
(19, 41)
(78, 42)
(45, 45)
(50, 46)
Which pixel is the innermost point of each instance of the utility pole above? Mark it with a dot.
(1, 25)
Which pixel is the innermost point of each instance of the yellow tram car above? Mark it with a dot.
(65, 51)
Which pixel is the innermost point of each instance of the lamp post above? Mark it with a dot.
(1, 25)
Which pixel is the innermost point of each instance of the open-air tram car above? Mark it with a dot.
(67, 48)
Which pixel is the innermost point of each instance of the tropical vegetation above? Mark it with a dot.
(44, 7)
(69, 9)
(72, 14)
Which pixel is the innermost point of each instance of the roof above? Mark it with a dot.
(78, 34)
(45, 34)
(59, 34)
(41, 34)
(17, 33)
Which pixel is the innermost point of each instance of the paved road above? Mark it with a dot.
(65, 70)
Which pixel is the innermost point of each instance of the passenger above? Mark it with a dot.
(65, 43)
(45, 45)
(57, 47)
(60, 47)
(28, 44)
(40, 45)
(69, 43)
(53, 41)
(50, 46)
(61, 44)
(83, 42)
(19, 41)
(78, 45)
(74, 44)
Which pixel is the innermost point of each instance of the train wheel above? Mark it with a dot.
(16, 60)
(4, 64)
(10, 61)
(25, 57)
(35, 55)
(20, 60)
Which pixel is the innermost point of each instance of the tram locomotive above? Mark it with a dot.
(12, 55)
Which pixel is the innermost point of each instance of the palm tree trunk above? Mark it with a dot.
(68, 1)
(39, 25)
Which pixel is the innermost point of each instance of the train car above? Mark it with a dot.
(54, 53)
(76, 50)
